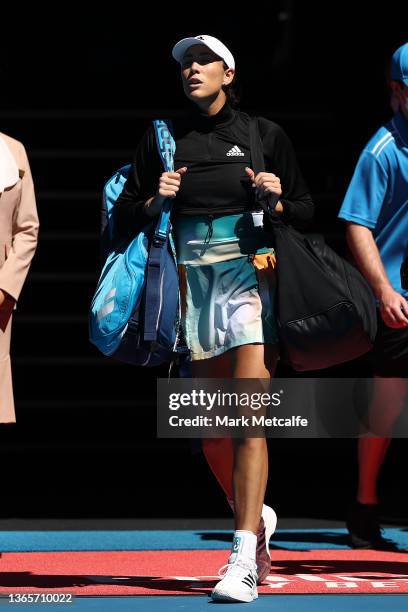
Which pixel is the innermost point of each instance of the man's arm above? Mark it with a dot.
(393, 307)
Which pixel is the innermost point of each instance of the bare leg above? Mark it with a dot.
(250, 472)
(388, 401)
(251, 454)
(371, 454)
(217, 451)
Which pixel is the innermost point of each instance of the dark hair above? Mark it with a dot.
(233, 91)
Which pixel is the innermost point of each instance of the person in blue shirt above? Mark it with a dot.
(376, 211)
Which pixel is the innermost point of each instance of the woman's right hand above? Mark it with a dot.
(169, 185)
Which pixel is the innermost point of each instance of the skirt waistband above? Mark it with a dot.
(206, 239)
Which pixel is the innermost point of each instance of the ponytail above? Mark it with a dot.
(233, 91)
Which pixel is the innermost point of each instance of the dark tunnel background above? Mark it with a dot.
(79, 86)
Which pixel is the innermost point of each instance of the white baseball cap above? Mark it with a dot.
(209, 41)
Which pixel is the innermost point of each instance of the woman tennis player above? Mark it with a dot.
(223, 251)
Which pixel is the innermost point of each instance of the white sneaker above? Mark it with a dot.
(266, 529)
(239, 581)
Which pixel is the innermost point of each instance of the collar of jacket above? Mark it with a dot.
(225, 116)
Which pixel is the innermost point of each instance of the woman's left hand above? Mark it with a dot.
(268, 187)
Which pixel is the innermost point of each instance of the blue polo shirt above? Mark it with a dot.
(377, 196)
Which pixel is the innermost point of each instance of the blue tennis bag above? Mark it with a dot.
(135, 314)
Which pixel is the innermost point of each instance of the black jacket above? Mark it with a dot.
(216, 151)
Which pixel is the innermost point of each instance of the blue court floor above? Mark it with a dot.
(34, 536)
(276, 603)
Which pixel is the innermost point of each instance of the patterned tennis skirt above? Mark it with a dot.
(227, 282)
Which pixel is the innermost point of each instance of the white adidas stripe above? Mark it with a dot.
(105, 310)
(110, 295)
(384, 145)
(378, 144)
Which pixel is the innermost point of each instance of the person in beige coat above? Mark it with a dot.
(18, 241)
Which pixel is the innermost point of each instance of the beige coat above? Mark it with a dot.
(18, 241)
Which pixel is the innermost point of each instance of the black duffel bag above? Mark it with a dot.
(326, 311)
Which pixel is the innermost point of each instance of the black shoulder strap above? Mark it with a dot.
(258, 162)
(255, 144)
(257, 156)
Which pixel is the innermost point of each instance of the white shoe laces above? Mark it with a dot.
(238, 568)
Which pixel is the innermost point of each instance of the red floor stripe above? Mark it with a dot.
(194, 572)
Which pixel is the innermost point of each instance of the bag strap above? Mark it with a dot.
(255, 143)
(258, 162)
(166, 147)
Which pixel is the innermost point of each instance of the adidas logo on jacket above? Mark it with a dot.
(235, 151)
